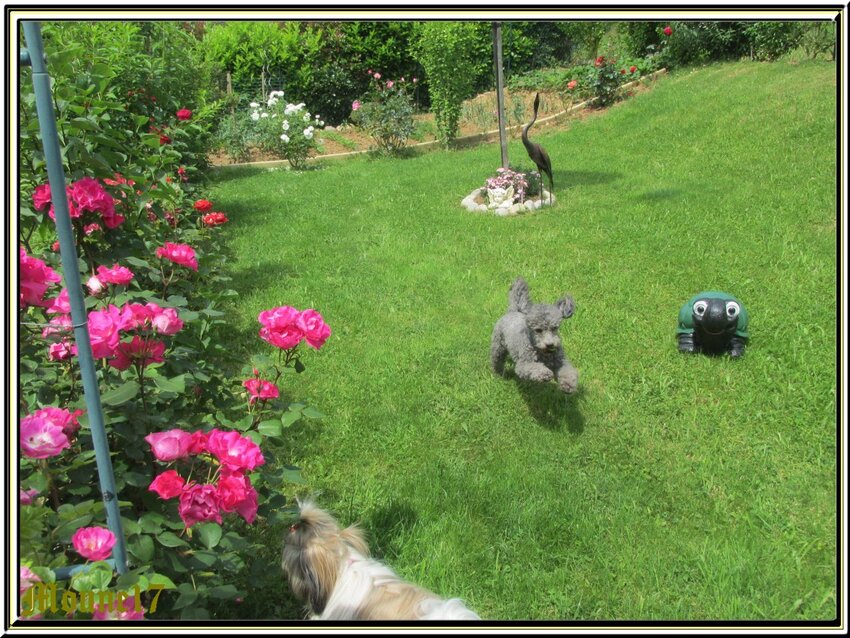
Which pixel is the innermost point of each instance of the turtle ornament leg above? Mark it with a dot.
(736, 347)
(687, 344)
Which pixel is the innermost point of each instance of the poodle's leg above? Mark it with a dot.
(533, 371)
(498, 353)
(567, 377)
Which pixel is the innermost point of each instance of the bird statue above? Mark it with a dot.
(537, 153)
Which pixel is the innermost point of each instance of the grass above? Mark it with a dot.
(671, 487)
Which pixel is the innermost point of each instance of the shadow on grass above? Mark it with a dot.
(660, 194)
(385, 528)
(550, 407)
(571, 179)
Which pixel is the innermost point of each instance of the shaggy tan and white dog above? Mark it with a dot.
(331, 570)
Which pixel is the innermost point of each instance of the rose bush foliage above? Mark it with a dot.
(196, 454)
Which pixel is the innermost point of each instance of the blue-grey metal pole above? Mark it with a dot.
(68, 251)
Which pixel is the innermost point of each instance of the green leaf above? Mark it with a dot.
(135, 261)
(202, 559)
(131, 528)
(136, 479)
(84, 124)
(170, 539)
(174, 384)
(209, 534)
(224, 591)
(256, 437)
(151, 522)
(161, 579)
(185, 599)
(292, 474)
(299, 367)
(313, 413)
(142, 549)
(64, 531)
(271, 427)
(121, 394)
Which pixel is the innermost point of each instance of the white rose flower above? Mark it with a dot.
(306, 117)
(285, 125)
(308, 133)
(255, 116)
(264, 114)
(285, 138)
(254, 105)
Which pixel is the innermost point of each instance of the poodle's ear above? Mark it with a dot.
(566, 305)
(519, 298)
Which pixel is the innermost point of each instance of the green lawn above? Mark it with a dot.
(670, 487)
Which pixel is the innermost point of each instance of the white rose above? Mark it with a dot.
(255, 116)
(308, 133)
(254, 105)
(285, 138)
(286, 125)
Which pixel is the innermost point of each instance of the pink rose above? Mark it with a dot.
(27, 496)
(167, 485)
(61, 305)
(129, 609)
(260, 389)
(355, 105)
(61, 351)
(35, 278)
(165, 320)
(41, 197)
(139, 351)
(181, 254)
(214, 219)
(377, 76)
(184, 114)
(41, 438)
(90, 229)
(169, 445)
(315, 330)
(95, 285)
(572, 84)
(61, 418)
(104, 326)
(279, 327)
(28, 579)
(199, 442)
(232, 489)
(89, 195)
(118, 275)
(93, 543)
(390, 84)
(199, 503)
(233, 450)
(138, 315)
(247, 509)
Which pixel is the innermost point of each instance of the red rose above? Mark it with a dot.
(184, 114)
(214, 219)
(203, 205)
(167, 485)
(632, 69)
(668, 30)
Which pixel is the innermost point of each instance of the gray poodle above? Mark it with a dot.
(528, 332)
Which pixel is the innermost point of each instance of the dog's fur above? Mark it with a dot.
(528, 333)
(331, 570)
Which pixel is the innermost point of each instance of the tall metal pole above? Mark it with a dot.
(68, 251)
(500, 86)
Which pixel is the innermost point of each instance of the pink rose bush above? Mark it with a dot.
(259, 389)
(118, 275)
(229, 454)
(93, 543)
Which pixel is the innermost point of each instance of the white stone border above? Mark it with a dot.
(478, 137)
(509, 208)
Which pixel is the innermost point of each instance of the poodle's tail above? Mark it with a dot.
(519, 298)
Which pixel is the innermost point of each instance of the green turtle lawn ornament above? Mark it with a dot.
(713, 322)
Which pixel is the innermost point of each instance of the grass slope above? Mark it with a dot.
(671, 487)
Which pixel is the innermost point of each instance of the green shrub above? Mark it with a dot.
(385, 113)
(817, 38)
(445, 50)
(769, 40)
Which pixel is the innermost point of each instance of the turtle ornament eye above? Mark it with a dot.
(700, 307)
(732, 309)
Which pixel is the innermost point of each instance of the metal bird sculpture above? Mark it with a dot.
(537, 153)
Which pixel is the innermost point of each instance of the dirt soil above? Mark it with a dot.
(479, 116)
